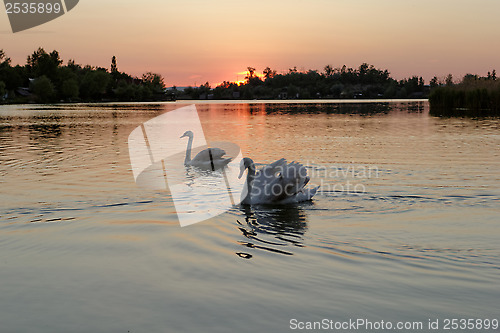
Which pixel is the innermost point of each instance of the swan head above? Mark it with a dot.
(187, 134)
(245, 164)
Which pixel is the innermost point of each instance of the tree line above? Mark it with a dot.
(366, 81)
(473, 96)
(44, 79)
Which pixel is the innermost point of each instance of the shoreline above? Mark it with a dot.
(238, 101)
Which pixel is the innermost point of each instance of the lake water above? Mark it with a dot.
(405, 228)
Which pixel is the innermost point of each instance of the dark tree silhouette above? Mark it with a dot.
(449, 80)
(52, 81)
(40, 63)
(4, 61)
(154, 82)
(43, 89)
(328, 70)
(2, 90)
(113, 65)
(251, 73)
(269, 73)
(434, 82)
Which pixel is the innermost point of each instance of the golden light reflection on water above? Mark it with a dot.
(77, 234)
(78, 152)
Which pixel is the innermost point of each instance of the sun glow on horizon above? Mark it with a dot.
(241, 75)
(210, 42)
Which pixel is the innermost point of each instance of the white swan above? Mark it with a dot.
(276, 183)
(209, 159)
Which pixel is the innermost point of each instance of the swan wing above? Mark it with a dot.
(292, 178)
(268, 172)
(281, 182)
(278, 181)
(264, 179)
(295, 173)
(203, 161)
(204, 155)
(217, 153)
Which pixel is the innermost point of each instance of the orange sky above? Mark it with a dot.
(194, 41)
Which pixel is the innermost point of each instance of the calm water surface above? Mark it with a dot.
(405, 228)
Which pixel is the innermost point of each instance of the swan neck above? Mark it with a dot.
(188, 150)
(250, 178)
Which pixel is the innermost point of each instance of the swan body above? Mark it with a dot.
(209, 159)
(276, 183)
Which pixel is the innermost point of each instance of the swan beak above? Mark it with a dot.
(183, 135)
(242, 170)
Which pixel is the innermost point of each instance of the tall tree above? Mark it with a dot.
(4, 61)
(69, 89)
(251, 73)
(43, 89)
(421, 82)
(434, 82)
(154, 82)
(40, 63)
(269, 73)
(363, 69)
(113, 65)
(449, 80)
(94, 84)
(328, 70)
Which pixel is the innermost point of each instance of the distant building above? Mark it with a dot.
(283, 95)
(174, 88)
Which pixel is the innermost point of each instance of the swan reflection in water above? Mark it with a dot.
(275, 229)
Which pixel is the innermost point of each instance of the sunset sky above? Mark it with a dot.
(193, 41)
